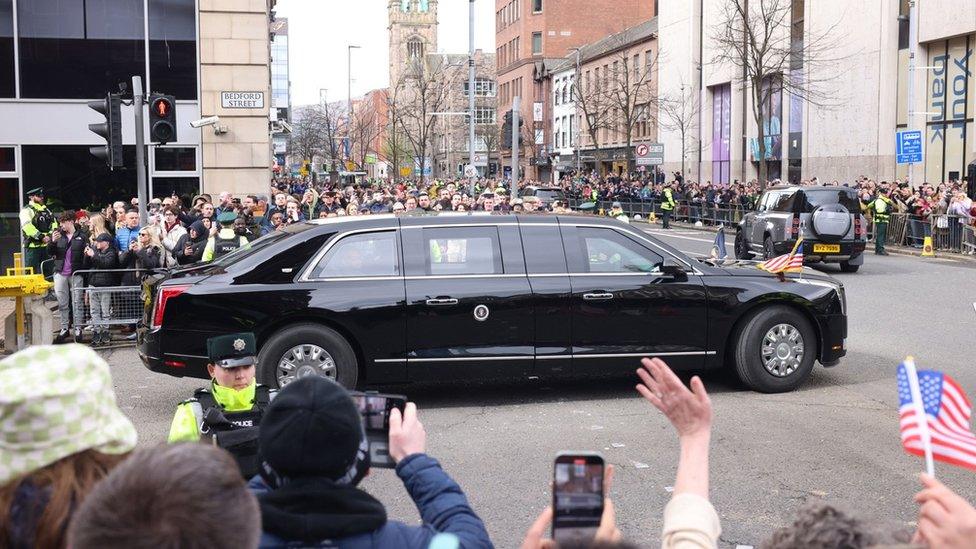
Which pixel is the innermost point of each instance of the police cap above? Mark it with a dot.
(226, 218)
(233, 350)
(36, 191)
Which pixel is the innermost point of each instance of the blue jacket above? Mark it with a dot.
(124, 236)
(443, 508)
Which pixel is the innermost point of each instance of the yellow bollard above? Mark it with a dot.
(652, 218)
(19, 304)
(927, 250)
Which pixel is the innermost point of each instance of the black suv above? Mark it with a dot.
(828, 218)
(382, 299)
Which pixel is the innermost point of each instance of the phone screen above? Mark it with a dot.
(375, 408)
(577, 496)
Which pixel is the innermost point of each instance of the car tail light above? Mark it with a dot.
(175, 364)
(165, 294)
(859, 229)
(795, 227)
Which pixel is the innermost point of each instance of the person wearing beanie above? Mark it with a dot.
(229, 412)
(314, 453)
(103, 262)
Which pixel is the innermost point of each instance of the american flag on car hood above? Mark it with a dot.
(947, 416)
(787, 263)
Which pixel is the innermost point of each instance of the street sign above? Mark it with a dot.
(405, 171)
(908, 147)
(470, 171)
(241, 100)
(649, 154)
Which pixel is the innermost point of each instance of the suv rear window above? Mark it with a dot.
(547, 195)
(807, 200)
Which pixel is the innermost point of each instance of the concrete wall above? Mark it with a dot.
(235, 56)
(941, 19)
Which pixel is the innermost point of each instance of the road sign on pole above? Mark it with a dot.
(649, 154)
(908, 147)
(470, 171)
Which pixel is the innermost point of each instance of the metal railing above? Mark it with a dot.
(685, 211)
(105, 306)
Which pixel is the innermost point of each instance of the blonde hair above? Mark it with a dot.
(98, 226)
(153, 233)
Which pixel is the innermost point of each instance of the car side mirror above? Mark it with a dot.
(674, 271)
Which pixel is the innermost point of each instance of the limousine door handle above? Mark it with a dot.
(440, 302)
(598, 296)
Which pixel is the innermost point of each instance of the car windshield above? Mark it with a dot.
(549, 194)
(830, 195)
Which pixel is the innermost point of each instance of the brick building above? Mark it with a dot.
(530, 32)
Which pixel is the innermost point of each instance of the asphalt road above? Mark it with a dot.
(834, 440)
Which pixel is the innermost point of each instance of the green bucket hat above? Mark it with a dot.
(57, 401)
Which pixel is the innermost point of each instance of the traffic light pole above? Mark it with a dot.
(137, 101)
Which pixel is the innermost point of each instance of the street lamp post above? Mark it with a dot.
(471, 90)
(349, 49)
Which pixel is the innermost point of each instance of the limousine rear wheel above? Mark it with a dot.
(775, 350)
(305, 350)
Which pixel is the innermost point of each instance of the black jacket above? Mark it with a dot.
(144, 261)
(103, 261)
(58, 248)
(196, 247)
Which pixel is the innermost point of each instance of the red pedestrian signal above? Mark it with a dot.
(162, 118)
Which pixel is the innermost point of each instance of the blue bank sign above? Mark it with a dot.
(908, 147)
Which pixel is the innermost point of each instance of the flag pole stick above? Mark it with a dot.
(920, 417)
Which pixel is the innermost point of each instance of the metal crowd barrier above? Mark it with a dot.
(685, 211)
(103, 306)
(949, 233)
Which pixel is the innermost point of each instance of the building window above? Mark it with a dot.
(7, 49)
(483, 87)
(536, 43)
(173, 47)
(183, 187)
(176, 159)
(8, 160)
(415, 49)
(721, 133)
(79, 49)
(537, 6)
(484, 115)
(74, 178)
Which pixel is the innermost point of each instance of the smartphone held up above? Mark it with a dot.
(375, 408)
(577, 496)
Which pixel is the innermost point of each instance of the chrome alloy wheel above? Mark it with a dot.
(305, 360)
(782, 350)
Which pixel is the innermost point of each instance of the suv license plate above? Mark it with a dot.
(826, 248)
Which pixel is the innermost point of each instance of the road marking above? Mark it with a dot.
(684, 237)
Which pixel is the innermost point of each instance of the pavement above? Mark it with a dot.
(834, 440)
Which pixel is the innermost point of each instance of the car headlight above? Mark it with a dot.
(836, 286)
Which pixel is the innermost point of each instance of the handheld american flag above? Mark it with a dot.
(944, 434)
(787, 263)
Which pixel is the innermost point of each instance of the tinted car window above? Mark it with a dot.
(830, 195)
(607, 251)
(265, 241)
(782, 202)
(543, 249)
(462, 251)
(549, 195)
(370, 254)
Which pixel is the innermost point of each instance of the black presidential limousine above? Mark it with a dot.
(382, 299)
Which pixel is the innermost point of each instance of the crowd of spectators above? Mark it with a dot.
(70, 476)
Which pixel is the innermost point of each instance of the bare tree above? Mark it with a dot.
(363, 132)
(305, 139)
(592, 104)
(418, 95)
(631, 94)
(490, 135)
(680, 114)
(756, 37)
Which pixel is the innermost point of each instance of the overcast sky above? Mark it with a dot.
(320, 30)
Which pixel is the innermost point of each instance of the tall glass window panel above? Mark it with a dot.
(173, 47)
(79, 49)
(74, 179)
(7, 48)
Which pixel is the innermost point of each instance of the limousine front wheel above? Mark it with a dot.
(775, 350)
(307, 350)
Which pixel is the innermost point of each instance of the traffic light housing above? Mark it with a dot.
(507, 131)
(162, 118)
(110, 130)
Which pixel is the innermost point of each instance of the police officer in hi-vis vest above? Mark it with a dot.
(229, 412)
(880, 209)
(37, 223)
(226, 240)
